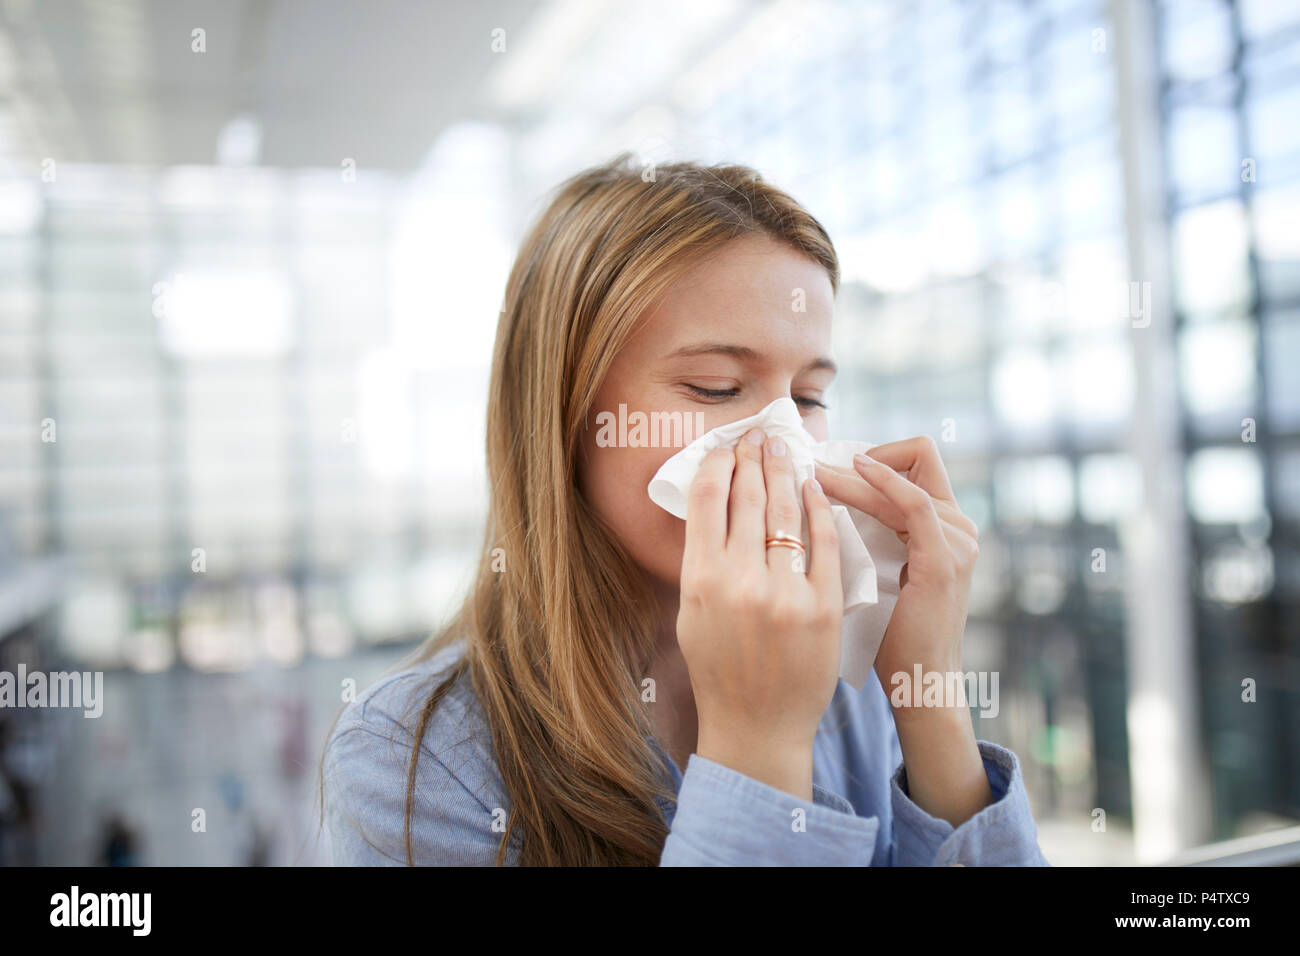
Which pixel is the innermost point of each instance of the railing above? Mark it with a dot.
(1273, 848)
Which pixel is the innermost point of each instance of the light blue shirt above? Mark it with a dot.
(860, 814)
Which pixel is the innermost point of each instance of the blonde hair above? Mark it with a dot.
(557, 645)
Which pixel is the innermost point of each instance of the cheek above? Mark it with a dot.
(816, 425)
(614, 482)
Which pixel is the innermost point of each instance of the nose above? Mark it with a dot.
(771, 392)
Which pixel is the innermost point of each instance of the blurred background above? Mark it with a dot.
(252, 255)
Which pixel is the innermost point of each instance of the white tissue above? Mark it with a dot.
(871, 556)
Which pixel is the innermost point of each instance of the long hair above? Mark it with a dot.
(557, 643)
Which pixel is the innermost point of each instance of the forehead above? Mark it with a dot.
(754, 291)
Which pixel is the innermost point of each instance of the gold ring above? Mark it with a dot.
(783, 540)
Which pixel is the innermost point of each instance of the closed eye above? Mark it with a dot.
(724, 393)
(714, 392)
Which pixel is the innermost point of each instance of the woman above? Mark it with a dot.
(607, 645)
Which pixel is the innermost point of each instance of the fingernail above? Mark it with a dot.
(816, 486)
(754, 436)
(776, 446)
(864, 460)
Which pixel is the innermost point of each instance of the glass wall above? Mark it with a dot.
(1230, 97)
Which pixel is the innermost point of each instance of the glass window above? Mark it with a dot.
(1110, 488)
(1210, 259)
(1037, 489)
(1219, 366)
(1282, 362)
(1203, 150)
(1225, 486)
(1197, 38)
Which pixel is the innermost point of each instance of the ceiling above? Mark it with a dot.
(117, 82)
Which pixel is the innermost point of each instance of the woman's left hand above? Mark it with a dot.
(946, 776)
(942, 544)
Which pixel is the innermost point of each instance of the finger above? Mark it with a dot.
(783, 513)
(925, 536)
(824, 545)
(746, 512)
(706, 508)
(950, 513)
(919, 458)
(852, 489)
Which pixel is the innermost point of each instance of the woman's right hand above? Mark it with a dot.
(761, 638)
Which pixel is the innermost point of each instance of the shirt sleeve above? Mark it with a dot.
(365, 807)
(1001, 834)
(725, 818)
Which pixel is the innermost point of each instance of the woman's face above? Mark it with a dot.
(725, 340)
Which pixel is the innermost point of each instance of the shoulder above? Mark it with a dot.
(391, 705)
(367, 766)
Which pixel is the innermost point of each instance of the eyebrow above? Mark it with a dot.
(745, 354)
